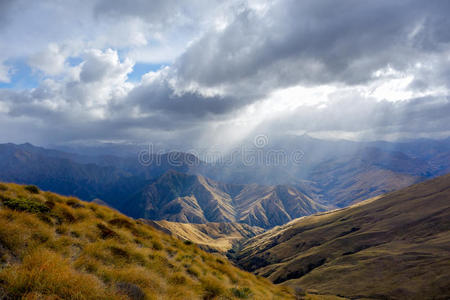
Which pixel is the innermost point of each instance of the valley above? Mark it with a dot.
(395, 246)
(212, 237)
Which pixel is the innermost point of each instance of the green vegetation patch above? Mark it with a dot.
(28, 205)
(242, 293)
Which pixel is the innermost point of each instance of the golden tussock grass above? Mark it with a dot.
(54, 247)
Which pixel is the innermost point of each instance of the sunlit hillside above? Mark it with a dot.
(54, 247)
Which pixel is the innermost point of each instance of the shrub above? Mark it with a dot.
(28, 205)
(242, 293)
(188, 242)
(32, 189)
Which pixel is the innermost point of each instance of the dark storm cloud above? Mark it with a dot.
(155, 12)
(188, 104)
(5, 10)
(314, 42)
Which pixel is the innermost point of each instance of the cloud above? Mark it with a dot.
(307, 42)
(4, 73)
(51, 60)
(98, 66)
(5, 7)
(363, 115)
(360, 68)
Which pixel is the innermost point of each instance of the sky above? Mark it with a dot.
(214, 73)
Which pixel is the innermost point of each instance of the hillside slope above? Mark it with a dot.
(54, 247)
(186, 198)
(212, 237)
(367, 173)
(395, 246)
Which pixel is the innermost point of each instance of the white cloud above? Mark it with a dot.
(51, 60)
(4, 73)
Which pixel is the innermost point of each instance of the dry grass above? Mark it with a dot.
(54, 247)
(396, 247)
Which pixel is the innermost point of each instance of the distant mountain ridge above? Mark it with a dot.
(187, 198)
(331, 173)
(110, 178)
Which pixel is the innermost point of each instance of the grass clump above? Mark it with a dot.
(74, 203)
(47, 273)
(157, 245)
(242, 293)
(131, 290)
(106, 232)
(121, 222)
(32, 189)
(213, 288)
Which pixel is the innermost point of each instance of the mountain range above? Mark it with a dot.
(189, 198)
(181, 187)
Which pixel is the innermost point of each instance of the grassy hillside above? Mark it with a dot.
(219, 237)
(54, 247)
(395, 246)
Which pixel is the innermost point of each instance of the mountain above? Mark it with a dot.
(186, 198)
(330, 173)
(213, 237)
(59, 172)
(107, 177)
(55, 247)
(337, 172)
(159, 191)
(365, 174)
(395, 246)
